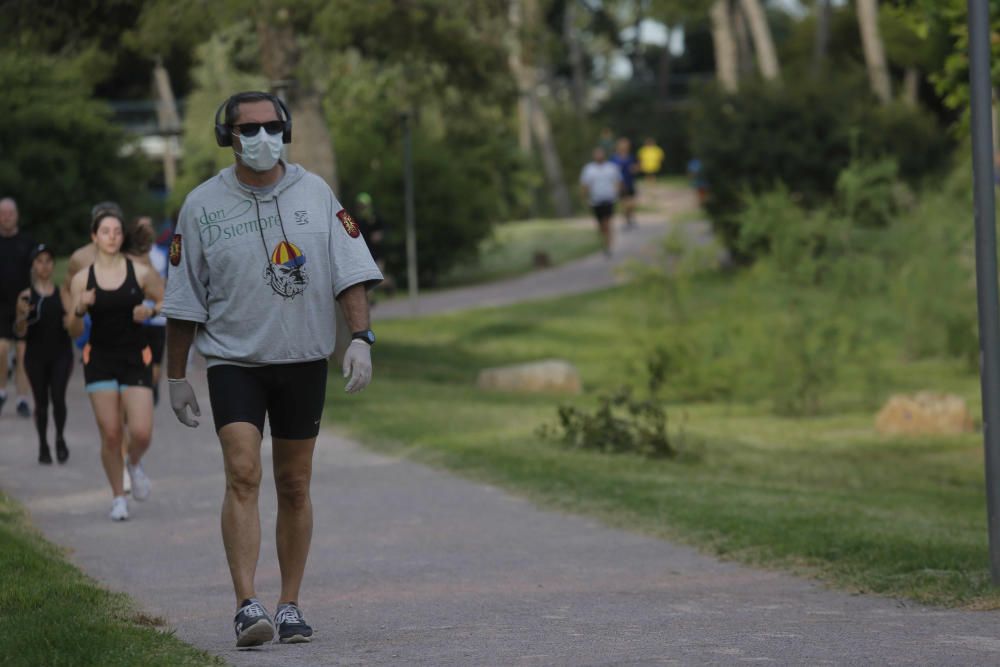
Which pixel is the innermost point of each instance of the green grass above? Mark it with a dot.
(510, 250)
(824, 495)
(51, 614)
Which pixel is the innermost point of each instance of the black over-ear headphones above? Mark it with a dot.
(223, 131)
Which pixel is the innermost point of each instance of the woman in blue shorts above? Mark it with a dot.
(117, 361)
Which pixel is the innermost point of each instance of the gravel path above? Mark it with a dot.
(412, 566)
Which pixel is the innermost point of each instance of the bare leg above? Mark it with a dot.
(240, 514)
(109, 423)
(292, 475)
(137, 405)
(605, 224)
(628, 209)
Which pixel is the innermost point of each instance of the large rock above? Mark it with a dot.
(924, 413)
(550, 376)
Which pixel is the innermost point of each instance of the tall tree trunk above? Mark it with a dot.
(571, 36)
(724, 43)
(638, 64)
(523, 13)
(663, 72)
(551, 162)
(521, 76)
(168, 122)
(312, 145)
(767, 56)
(822, 45)
(871, 40)
(744, 49)
(911, 86)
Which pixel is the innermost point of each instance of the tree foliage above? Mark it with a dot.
(61, 152)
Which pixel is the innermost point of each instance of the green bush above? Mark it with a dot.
(620, 424)
(61, 152)
(803, 134)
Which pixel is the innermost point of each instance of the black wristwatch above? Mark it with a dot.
(367, 335)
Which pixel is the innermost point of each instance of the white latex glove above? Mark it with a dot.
(358, 365)
(181, 398)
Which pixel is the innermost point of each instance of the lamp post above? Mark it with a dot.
(986, 264)
(411, 224)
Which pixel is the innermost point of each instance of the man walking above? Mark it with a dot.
(260, 252)
(601, 183)
(15, 277)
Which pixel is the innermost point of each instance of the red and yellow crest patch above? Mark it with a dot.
(175, 250)
(350, 226)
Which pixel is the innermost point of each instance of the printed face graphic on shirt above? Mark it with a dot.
(286, 272)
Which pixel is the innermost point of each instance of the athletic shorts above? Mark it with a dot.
(291, 395)
(603, 210)
(157, 341)
(116, 370)
(628, 190)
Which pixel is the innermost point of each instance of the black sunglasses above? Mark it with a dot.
(271, 127)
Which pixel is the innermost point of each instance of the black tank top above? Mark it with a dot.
(111, 325)
(47, 335)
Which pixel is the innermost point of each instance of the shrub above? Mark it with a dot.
(620, 424)
(61, 152)
(802, 135)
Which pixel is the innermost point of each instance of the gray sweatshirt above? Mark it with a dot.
(259, 272)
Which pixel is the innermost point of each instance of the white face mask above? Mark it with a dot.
(260, 151)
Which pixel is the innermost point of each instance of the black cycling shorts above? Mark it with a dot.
(8, 313)
(116, 370)
(603, 210)
(291, 395)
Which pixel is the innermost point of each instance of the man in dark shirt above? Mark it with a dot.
(15, 276)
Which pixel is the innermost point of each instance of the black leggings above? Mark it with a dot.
(49, 375)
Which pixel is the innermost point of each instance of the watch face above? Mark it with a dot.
(367, 336)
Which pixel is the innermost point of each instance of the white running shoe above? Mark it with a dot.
(119, 509)
(126, 481)
(141, 485)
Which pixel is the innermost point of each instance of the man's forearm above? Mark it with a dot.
(354, 303)
(180, 335)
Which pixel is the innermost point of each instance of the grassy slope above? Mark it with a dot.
(51, 614)
(510, 251)
(824, 495)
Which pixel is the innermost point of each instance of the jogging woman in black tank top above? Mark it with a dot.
(48, 358)
(117, 360)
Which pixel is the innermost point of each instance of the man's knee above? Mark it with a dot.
(293, 489)
(243, 477)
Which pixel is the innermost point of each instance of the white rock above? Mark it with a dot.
(548, 376)
(924, 413)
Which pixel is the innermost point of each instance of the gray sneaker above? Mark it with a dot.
(252, 624)
(292, 628)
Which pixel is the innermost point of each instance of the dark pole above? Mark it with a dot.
(411, 225)
(986, 264)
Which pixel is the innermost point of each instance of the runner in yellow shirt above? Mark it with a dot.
(650, 159)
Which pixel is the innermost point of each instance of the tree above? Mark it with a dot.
(822, 44)
(871, 40)
(724, 40)
(61, 152)
(767, 58)
(524, 13)
(278, 23)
